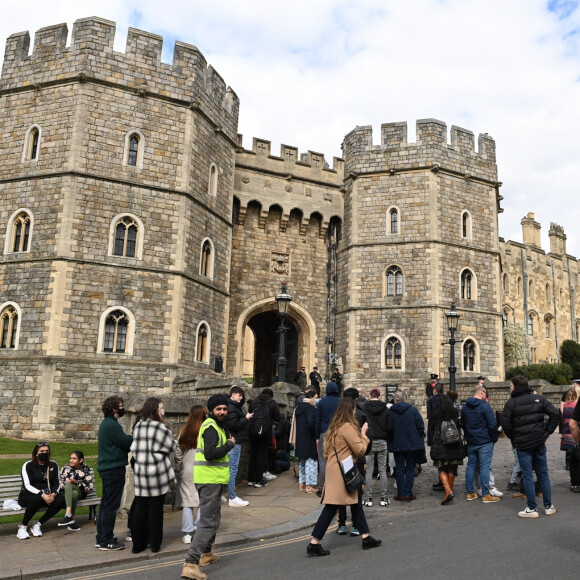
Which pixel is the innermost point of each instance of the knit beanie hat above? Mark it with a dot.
(217, 400)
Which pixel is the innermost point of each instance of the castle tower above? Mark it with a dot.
(420, 231)
(116, 180)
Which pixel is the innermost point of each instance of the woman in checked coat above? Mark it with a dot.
(152, 444)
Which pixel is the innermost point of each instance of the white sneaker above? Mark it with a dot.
(269, 476)
(22, 533)
(238, 502)
(224, 499)
(528, 513)
(35, 529)
(550, 511)
(495, 492)
(187, 538)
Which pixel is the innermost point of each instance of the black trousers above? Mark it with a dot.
(147, 523)
(258, 458)
(33, 502)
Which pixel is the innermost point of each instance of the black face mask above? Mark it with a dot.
(121, 412)
(43, 456)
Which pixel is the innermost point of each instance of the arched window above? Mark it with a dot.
(213, 179)
(126, 237)
(466, 224)
(519, 285)
(466, 283)
(531, 289)
(116, 325)
(504, 318)
(206, 261)
(31, 144)
(202, 345)
(468, 355)
(548, 324)
(548, 293)
(393, 221)
(506, 284)
(530, 325)
(20, 232)
(393, 354)
(134, 149)
(394, 281)
(9, 327)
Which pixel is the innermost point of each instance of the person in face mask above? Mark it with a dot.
(114, 445)
(40, 489)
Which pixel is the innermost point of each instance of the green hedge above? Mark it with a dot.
(556, 374)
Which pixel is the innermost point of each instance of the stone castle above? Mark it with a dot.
(144, 246)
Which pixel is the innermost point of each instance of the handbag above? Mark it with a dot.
(449, 433)
(353, 478)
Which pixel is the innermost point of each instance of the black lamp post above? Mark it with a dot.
(452, 322)
(282, 300)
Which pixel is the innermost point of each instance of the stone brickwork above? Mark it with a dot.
(542, 286)
(431, 184)
(322, 228)
(85, 100)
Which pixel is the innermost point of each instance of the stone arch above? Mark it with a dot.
(297, 316)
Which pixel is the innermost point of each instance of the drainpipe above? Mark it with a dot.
(525, 289)
(555, 313)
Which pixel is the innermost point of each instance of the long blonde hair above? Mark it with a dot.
(573, 393)
(344, 415)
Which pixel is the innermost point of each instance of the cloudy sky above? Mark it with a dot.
(309, 72)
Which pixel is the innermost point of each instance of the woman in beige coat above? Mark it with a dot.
(347, 439)
(187, 496)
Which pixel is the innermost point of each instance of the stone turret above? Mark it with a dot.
(557, 239)
(531, 231)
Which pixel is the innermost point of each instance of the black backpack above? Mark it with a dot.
(261, 422)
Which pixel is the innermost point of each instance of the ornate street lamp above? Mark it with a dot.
(452, 322)
(282, 300)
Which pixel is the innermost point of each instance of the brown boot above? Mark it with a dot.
(444, 477)
(207, 559)
(193, 572)
(451, 480)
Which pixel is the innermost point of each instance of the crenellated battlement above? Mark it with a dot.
(431, 147)
(91, 54)
(308, 165)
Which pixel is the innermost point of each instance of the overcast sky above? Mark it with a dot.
(307, 73)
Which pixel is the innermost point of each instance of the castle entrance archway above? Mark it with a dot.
(266, 348)
(257, 342)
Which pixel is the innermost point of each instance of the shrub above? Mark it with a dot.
(555, 374)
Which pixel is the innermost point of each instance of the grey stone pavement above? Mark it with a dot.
(273, 511)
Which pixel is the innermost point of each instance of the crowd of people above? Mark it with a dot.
(339, 442)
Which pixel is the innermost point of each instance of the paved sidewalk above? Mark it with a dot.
(274, 510)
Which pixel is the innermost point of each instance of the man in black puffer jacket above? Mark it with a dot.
(523, 421)
(380, 429)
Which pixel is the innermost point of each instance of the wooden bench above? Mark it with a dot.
(10, 486)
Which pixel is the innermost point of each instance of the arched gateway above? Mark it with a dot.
(257, 341)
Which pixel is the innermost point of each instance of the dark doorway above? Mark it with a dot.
(265, 328)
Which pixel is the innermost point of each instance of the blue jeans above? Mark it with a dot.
(530, 459)
(113, 485)
(405, 472)
(234, 456)
(482, 454)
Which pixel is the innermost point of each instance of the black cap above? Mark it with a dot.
(434, 376)
(576, 381)
(480, 378)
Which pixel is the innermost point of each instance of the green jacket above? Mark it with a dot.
(114, 445)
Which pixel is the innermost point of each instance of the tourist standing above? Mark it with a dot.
(524, 422)
(114, 445)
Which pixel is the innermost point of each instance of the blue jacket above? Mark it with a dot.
(409, 428)
(478, 422)
(326, 408)
(305, 447)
